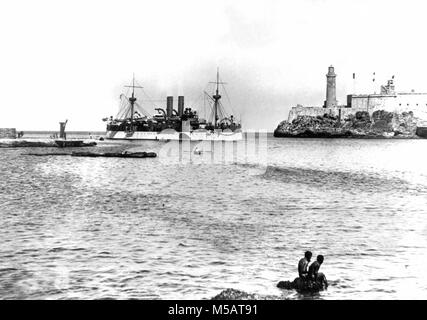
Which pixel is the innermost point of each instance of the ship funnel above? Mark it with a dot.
(180, 105)
(169, 106)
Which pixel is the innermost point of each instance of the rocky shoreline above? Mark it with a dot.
(381, 125)
(233, 294)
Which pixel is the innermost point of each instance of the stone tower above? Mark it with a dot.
(331, 95)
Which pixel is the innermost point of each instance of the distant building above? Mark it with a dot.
(388, 100)
(7, 133)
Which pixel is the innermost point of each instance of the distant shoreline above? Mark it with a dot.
(270, 132)
(68, 131)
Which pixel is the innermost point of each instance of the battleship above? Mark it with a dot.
(134, 122)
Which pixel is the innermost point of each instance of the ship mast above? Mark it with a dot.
(132, 101)
(216, 97)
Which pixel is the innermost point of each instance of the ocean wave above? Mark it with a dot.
(342, 180)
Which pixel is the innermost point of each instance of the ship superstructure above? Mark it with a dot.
(134, 122)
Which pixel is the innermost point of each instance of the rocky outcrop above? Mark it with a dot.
(303, 286)
(381, 124)
(300, 285)
(233, 294)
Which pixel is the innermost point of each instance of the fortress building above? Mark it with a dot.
(388, 100)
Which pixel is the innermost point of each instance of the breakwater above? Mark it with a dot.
(124, 154)
(40, 143)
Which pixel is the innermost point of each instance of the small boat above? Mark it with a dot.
(62, 142)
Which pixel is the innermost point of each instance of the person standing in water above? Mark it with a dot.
(303, 265)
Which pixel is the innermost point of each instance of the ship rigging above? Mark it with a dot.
(134, 122)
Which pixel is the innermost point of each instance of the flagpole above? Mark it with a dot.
(354, 83)
(373, 83)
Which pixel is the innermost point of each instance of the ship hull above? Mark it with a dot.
(193, 136)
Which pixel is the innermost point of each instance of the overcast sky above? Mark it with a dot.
(70, 59)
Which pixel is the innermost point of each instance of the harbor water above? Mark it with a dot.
(192, 226)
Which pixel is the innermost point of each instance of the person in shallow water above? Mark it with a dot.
(313, 271)
(303, 265)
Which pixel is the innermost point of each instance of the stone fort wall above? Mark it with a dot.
(7, 133)
(401, 102)
(417, 103)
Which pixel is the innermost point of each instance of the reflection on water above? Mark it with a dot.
(150, 228)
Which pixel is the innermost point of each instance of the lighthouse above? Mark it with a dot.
(331, 95)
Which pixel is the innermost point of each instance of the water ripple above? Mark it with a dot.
(112, 229)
